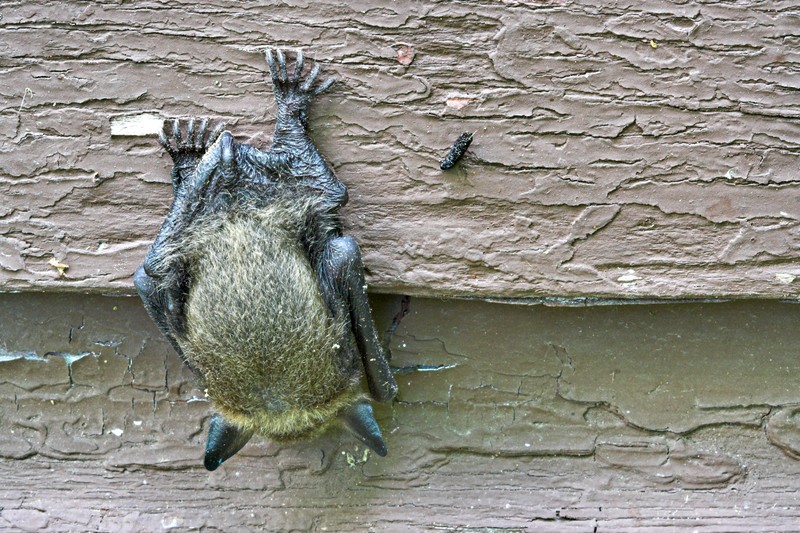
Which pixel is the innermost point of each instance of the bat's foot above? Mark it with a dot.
(293, 91)
(187, 139)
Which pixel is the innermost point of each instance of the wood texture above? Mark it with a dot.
(509, 418)
(623, 149)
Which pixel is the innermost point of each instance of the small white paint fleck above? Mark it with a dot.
(629, 277)
(196, 399)
(137, 423)
(733, 173)
(460, 101)
(58, 265)
(138, 125)
(170, 523)
(785, 278)
(527, 444)
(117, 431)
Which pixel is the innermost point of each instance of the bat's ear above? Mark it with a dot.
(224, 440)
(359, 419)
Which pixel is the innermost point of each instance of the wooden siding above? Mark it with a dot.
(509, 419)
(622, 149)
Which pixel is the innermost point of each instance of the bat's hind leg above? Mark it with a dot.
(344, 286)
(294, 91)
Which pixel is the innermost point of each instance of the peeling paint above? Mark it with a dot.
(611, 138)
(421, 368)
(629, 277)
(137, 125)
(6, 356)
(545, 417)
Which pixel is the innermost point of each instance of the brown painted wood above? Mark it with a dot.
(509, 418)
(622, 149)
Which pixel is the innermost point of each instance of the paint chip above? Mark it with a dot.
(785, 278)
(459, 102)
(138, 125)
(733, 173)
(61, 267)
(116, 431)
(405, 55)
(629, 277)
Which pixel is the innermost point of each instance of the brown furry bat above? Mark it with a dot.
(253, 284)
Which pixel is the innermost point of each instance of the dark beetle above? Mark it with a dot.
(254, 285)
(458, 149)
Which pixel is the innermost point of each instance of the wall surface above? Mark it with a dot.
(509, 418)
(626, 149)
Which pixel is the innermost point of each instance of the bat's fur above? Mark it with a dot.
(258, 328)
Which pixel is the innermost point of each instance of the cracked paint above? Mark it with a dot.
(529, 414)
(608, 138)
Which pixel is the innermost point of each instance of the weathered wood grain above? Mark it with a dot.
(622, 149)
(509, 418)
